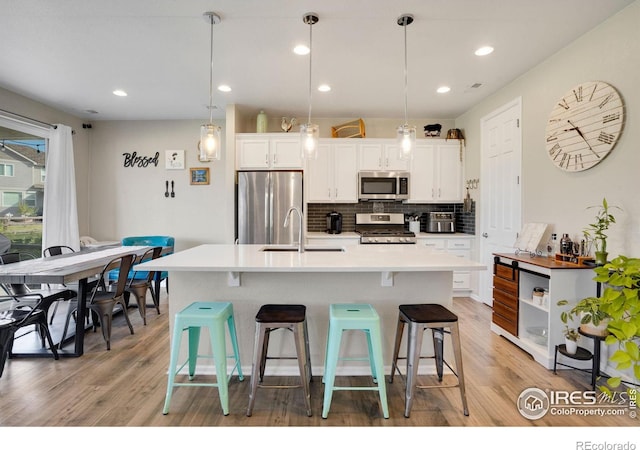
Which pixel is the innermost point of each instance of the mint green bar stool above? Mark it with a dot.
(354, 316)
(211, 315)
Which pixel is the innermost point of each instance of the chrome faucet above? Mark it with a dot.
(286, 224)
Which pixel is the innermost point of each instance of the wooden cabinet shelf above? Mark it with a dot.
(516, 315)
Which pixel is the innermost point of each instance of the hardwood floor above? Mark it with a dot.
(126, 387)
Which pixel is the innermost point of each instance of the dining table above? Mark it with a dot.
(77, 267)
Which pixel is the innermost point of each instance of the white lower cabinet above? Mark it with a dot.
(458, 246)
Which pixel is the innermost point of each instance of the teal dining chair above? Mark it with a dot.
(167, 242)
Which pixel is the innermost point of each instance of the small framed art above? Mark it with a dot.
(174, 159)
(199, 175)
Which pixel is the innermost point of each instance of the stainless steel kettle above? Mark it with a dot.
(334, 223)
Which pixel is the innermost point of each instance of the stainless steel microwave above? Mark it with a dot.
(383, 185)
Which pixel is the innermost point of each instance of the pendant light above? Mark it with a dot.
(210, 141)
(309, 133)
(405, 135)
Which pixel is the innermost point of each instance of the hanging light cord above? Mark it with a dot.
(211, 75)
(310, 58)
(404, 25)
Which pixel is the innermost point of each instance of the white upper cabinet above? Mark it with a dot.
(381, 154)
(268, 151)
(332, 177)
(436, 172)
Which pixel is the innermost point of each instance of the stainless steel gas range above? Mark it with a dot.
(383, 228)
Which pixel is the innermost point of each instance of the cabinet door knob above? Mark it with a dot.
(485, 235)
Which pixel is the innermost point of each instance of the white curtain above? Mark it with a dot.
(60, 209)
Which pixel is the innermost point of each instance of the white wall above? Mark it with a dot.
(609, 52)
(131, 201)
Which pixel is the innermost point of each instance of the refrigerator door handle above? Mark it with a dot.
(269, 211)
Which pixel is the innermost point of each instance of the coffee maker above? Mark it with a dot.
(334, 223)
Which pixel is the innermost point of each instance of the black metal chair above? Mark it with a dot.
(102, 302)
(56, 250)
(139, 286)
(16, 312)
(50, 295)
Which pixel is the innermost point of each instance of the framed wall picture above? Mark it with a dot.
(174, 159)
(199, 175)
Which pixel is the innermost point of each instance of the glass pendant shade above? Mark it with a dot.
(309, 139)
(309, 133)
(210, 143)
(406, 139)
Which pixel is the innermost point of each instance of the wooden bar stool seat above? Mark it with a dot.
(275, 317)
(214, 316)
(441, 321)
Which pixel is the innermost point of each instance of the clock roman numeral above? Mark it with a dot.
(564, 104)
(605, 100)
(595, 86)
(606, 137)
(578, 94)
(610, 117)
(565, 159)
(552, 137)
(555, 151)
(579, 160)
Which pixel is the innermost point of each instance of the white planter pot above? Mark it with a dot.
(572, 346)
(600, 330)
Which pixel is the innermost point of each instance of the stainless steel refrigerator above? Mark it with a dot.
(263, 199)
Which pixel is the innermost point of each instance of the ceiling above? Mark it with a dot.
(72, 54)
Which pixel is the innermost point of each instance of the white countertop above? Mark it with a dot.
(421, 235)
(354, 258)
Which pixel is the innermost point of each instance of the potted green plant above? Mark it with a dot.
(595, 232)
(621, 303)
(571, 337)
(590, 313)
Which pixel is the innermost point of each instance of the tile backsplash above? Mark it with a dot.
(316, 214)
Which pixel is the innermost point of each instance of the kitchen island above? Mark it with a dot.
(251, 275)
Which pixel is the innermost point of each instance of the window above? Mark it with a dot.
(11, 198)
(43, 174)
(22, 150)
(30, 199)
(6, 170)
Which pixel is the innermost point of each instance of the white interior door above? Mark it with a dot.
(500, 189)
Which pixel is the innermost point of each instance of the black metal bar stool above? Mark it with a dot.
(441, 321)
(275, 317)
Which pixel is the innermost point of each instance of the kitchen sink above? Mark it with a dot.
(306, 249)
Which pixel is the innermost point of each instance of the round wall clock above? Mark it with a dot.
(584, 126)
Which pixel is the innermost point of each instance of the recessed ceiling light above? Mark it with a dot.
(224, 88)
(483, 51)
(120, 93)
(324, 88)
(443, 89)
(301, 50)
